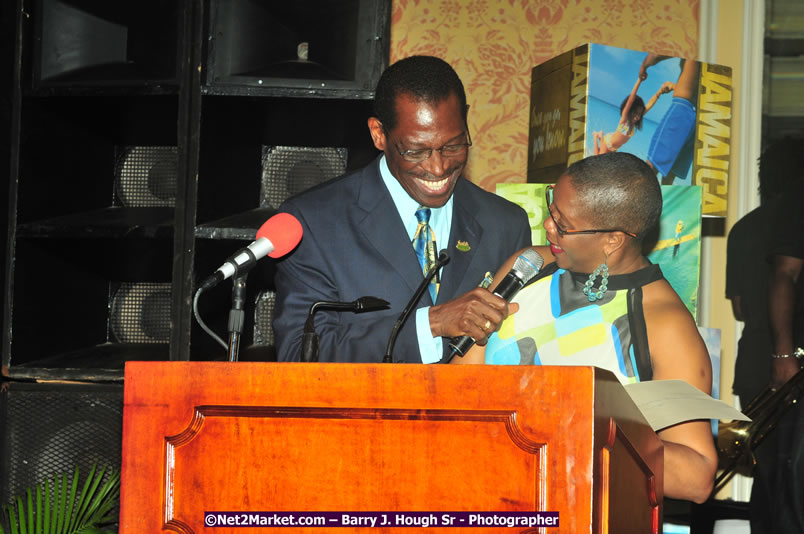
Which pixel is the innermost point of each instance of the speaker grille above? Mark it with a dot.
(145, 176)
(288, 170)
(140, 313)
(264, 318)
(52, 428)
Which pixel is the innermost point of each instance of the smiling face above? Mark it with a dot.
(637, 114)
(580, 253)
(423, 125)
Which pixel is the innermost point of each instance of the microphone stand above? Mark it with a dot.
(443, 259)
(237, 315)
(309, 349)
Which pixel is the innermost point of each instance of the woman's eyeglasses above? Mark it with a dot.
(548, 192)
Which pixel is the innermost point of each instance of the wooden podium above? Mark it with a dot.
(267, 437)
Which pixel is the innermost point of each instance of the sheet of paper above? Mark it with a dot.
(665, 403)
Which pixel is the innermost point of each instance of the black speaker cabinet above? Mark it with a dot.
(319, 46)
(287, 170)
(50, 428)
(149, 140)
(100, 43)
(145, 176)
(264, 318)
(140, 313)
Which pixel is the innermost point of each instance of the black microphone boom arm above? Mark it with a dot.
(443, 259)
(309, 349)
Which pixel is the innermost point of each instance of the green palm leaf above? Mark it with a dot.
(58, 508)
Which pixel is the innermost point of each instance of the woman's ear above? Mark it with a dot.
(615, 242)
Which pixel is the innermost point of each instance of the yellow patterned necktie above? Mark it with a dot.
(425, 246)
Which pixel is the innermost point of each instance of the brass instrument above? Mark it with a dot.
(737, 440)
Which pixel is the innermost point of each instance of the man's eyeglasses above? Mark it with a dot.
(447, 151)
(548, 192)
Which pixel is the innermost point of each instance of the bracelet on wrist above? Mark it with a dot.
(798, 353)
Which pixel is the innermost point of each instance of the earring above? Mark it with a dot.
(589, 291)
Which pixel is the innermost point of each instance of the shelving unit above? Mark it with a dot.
(144, 139)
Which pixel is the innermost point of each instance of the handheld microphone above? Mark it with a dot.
(309, 350)
(526, 266)
(443, 259)
(276, 237)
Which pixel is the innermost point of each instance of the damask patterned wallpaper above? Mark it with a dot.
(494, 44)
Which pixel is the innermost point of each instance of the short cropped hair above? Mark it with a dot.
(618, 190)
(424, 78)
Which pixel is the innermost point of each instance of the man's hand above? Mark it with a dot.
(649, 61)
(476, 314)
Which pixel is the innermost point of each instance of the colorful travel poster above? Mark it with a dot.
(672, 112)
(531, 198)
(613, 76)
(677, 247)
(711, 337)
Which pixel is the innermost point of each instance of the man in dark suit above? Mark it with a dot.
(360, 230)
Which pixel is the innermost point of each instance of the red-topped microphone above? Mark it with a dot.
(276, 237)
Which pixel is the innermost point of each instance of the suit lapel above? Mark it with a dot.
(382, 227)
(464, 241)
